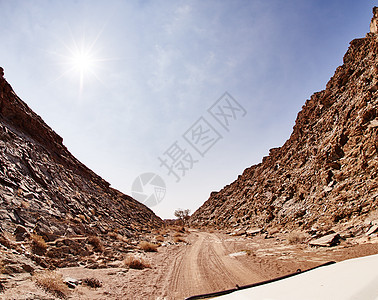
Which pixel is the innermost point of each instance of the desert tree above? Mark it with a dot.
(182, 215)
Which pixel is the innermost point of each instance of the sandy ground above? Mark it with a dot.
(208, 262)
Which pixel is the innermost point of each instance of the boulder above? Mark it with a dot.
(254, 231)
(372, 229)
(326, 241)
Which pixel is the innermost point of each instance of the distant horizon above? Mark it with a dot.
(129, 86)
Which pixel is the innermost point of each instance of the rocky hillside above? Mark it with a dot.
(326, 172)
(47, 192)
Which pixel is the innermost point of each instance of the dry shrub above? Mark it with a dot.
(92, 282)
(39, 245)
(296, 237)
(148, 247)
(95, 241)
(177, 234)
(51, 282)
(136, 262)
(179, 239)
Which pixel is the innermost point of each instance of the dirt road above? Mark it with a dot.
(205, 266)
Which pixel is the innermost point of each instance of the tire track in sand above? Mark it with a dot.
(204, 266)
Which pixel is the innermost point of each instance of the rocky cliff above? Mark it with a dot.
(326, 172)
(46, 191)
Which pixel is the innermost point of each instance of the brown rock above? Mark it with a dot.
(374, 21)
(326, 241)
(372, 229)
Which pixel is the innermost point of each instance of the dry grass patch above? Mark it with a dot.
(39, 245)
(134, 262)
(296, 237)
(51, 282)
(148, 247)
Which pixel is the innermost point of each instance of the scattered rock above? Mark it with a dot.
(326, 241)
(92, 282)
(71, 282)
(21, 233)
(238, 232)
(241, 253)
(372, 229)
(254, 231)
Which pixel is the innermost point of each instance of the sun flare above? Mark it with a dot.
(83, 59)
(83, 62)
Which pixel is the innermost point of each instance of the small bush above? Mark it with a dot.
(136, 262)
(148, 247)
(51, 282)
(39, 245)
(92, 282)
(296, 237)
(96, 243)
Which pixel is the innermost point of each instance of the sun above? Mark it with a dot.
(82, 59)
(83, 62)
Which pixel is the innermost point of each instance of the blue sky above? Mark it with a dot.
(155, 67)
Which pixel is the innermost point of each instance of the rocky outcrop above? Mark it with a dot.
(45, 190)
(326, 173)
(374, 21)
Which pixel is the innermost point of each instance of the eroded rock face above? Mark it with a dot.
(374, 21)
(47, 191)
(327, 171)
